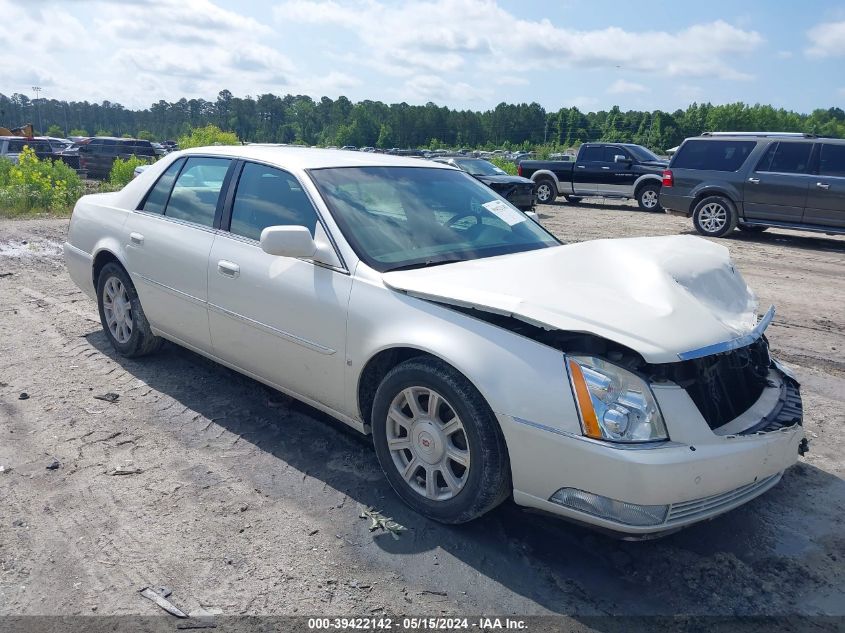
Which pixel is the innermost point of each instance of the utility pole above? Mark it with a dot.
(36, 90)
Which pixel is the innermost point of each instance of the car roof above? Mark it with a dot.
(311, 158)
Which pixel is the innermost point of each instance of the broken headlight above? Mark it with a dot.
(613, 403)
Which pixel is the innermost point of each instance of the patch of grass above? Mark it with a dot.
(36, 187)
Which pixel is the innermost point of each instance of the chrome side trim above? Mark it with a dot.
(726, 346)
(274, 331)
(173, 291)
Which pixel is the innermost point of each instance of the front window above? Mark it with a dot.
(642, 154)
(408, 217)
(478, 167)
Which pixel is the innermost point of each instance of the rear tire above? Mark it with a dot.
(648, 197)
(438, 442)
(714, 216)
(546, 191)
(121, 314)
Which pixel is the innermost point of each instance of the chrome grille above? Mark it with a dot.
(686, 510)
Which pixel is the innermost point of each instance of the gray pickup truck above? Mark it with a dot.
(607, 170)
(756, 180)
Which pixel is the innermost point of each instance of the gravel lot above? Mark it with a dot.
(249, 503)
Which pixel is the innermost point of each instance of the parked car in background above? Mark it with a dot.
(139, 170)
(752, 181)
(608, 170)
(97, 154)
(58, 145)
(349, 148)
(160, 149)
(583, 391)
(517, 190)
(12, 146)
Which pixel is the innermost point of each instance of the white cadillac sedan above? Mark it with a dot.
(625, 384)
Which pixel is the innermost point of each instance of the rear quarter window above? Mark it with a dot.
(713, 155)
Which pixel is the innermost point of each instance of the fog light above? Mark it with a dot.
(619, 511)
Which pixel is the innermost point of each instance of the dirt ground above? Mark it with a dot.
(243, 501)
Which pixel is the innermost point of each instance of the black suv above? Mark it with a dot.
(752, 181)
(97, 154)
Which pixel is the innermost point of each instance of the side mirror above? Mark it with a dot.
(619, 158)
(288, 241)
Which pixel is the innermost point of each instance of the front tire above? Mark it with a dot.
(121, 314)
(714, 216)
(648, 197)
(438, 442)
(546, 191)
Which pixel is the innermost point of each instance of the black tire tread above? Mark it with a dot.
(733, 220)
(143, 341)
(550, 183)
(649, 186)
(494, 485)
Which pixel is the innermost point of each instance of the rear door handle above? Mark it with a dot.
(230, 269)
(136, 238)
(823, 185)
(754, 181)
(581, 166)
(605, 167)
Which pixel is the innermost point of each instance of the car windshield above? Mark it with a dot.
(409, 217)
(478, 167)
(641, 153)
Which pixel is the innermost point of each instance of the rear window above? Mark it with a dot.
(786, 158)
(592, 154)
(713, 155)
(197, 189)
(832, 161)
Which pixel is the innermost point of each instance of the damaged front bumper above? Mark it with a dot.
(645, 490)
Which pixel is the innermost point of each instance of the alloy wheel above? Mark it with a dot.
(713, 217)
(118, 310)
(649, 199)
(428, 443)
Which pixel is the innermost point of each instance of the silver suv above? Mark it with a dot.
(12, 146)
(755, 180)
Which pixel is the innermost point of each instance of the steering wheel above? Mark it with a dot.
(462, 215)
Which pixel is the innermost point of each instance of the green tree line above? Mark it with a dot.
(301, 119)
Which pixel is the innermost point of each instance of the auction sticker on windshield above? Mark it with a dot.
(504, 212)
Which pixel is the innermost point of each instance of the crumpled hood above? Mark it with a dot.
(660, 296)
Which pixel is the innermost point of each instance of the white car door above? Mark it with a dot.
(280, 318)
(168, 242)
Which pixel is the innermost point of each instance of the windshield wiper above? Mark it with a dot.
(425, 264)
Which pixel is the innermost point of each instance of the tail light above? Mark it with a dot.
(668, 178)
(519, 169)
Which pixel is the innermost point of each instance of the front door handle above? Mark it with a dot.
(823, 185)
(581, 166)
(605, 167)
(136, 238)
(754, 181)
(230, 269)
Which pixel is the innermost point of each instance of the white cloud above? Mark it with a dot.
(449, 34)
(827, 40)
(434, 88)
(785, 54)
(623, 87)
(138, 51)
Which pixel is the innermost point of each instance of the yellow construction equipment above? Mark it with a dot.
(24, 130)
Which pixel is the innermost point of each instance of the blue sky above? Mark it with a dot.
(594, 54)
